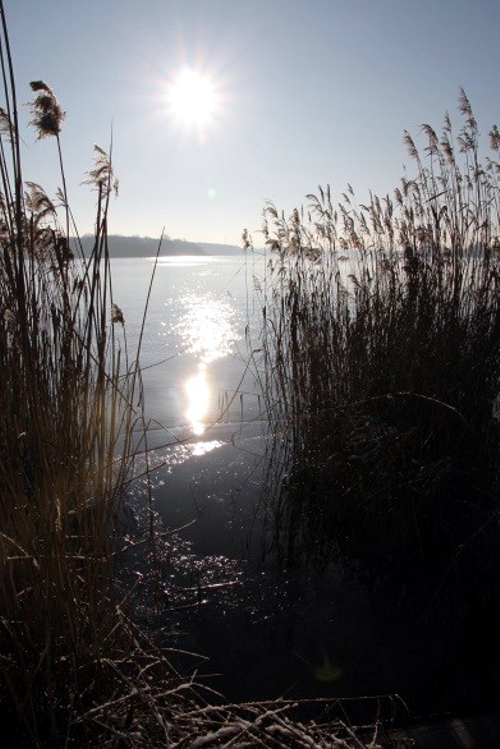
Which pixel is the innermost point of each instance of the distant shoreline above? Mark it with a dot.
(122, 247)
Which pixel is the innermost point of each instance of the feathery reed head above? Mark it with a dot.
(48, 114)
(102, 175)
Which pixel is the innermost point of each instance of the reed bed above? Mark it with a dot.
(65, 445)
(381, 357)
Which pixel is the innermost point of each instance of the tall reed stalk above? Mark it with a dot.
(381, 335)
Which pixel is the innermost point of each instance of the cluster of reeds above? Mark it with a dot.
(381, 353)
(68, 408)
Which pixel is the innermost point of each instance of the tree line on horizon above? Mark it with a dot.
(135, 246)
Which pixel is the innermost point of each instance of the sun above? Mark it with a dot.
(192, 98)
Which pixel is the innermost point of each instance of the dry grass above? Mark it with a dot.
(71, 399)
(65, 446)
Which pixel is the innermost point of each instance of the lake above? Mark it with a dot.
(263, 631)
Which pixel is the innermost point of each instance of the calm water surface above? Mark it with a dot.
(265, 632)
(194, 353)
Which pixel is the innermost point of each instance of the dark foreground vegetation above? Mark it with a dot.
(381, 373)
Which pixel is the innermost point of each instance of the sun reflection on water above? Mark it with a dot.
(198, 394)
(208, 330)
(208, 327)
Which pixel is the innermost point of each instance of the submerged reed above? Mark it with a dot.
(381, 364)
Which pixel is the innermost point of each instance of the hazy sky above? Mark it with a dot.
(290, 94)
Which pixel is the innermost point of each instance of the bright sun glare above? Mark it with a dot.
(192, 98)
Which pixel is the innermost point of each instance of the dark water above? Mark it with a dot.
(265, 629)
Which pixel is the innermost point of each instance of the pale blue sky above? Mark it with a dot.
(310, 92)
